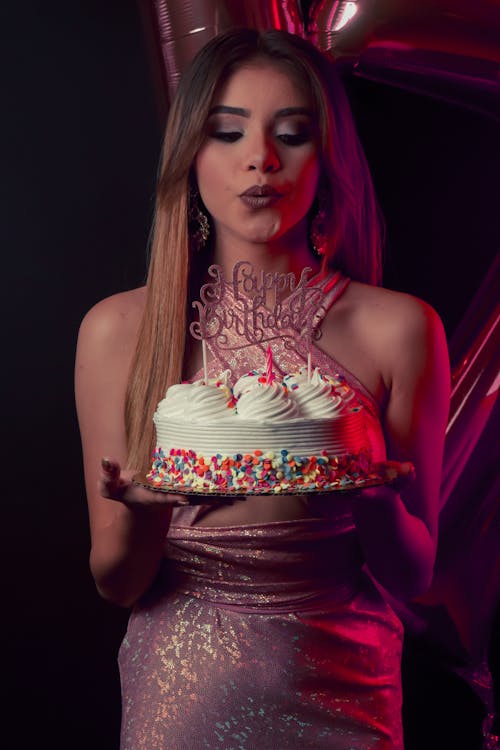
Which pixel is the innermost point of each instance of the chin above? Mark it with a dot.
(266, 233)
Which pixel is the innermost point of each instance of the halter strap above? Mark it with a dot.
(333, 284)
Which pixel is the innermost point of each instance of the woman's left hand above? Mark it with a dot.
(397, 544)
(396, 474)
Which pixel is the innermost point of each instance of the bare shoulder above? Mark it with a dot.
(107, 341)
(397, 311)
(106, 344)
(114, 320)
(382, 335)
(395, 321)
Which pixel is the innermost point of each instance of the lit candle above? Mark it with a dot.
(269, 366)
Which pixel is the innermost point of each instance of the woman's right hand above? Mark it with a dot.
(119, 485)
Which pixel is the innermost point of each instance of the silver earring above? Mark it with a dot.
(199, 228)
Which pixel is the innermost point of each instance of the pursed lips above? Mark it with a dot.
(260, 196)
(260, 191)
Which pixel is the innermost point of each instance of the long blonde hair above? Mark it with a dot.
(352, 225)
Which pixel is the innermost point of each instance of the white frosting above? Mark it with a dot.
(247, 381)
(346, 434)
(315, 398)
(176, 401)
(196, 402)
(298, 415)
(266, 403)
(340, 388)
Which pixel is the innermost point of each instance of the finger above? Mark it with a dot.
(110, 467)
(395, 471)
(405, 476)
(161, 498)
(407, 470)
(215, 501)
(135, 495)
(112, 481)
(186, 498)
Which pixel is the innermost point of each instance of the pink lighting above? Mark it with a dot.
(344, 15)
(447, 50)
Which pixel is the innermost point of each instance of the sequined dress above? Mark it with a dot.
(268, 635)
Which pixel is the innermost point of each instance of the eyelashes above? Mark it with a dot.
(288, 139)
(226, 136)
(295, 139)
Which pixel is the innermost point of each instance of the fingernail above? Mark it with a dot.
(106, 464)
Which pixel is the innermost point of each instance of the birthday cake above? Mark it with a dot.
(260, 433)
(305, 432)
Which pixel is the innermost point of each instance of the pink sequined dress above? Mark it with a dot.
(265, 636)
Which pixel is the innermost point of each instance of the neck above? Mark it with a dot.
(286, 254)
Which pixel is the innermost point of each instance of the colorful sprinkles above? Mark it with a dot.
(258, 472)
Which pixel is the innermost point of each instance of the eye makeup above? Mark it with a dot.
(291, 126)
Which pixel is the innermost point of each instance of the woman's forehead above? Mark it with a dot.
(261, 76)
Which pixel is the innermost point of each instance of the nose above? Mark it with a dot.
(262, 156)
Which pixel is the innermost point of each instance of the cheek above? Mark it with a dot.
(203, 170)
(307, 181)
(211, 179)
(310, 175)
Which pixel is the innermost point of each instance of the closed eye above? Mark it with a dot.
(227, 136)
(294, 139)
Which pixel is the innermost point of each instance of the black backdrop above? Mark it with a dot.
(80, 138)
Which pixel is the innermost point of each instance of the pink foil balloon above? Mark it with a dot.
(185, 25)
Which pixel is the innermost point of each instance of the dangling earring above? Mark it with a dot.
(317, 229)
(199, 228)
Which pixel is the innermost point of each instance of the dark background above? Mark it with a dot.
(80, 140)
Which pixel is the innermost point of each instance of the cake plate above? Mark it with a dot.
(142, 480)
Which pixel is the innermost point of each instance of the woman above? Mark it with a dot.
(261, 163)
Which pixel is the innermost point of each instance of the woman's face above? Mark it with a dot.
(258, 167)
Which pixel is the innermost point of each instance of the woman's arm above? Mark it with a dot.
(127, 535)
(398, 529)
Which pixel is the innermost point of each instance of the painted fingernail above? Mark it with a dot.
(106, 464)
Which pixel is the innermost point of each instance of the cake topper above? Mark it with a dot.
(255, 305)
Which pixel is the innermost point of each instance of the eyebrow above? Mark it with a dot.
(241, 112)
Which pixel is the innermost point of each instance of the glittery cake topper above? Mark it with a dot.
(255, 305)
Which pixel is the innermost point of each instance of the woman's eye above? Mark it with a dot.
(227, 136)
(294, 139)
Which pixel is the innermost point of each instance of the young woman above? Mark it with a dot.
(258, 622)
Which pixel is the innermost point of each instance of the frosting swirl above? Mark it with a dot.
(197, 402)
(341, 388)
(315, 398)
(264, 402)
(248, 381)
(176, 401)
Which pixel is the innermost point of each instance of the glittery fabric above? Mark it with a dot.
(263, 636)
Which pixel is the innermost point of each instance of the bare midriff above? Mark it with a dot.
(257, 509)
